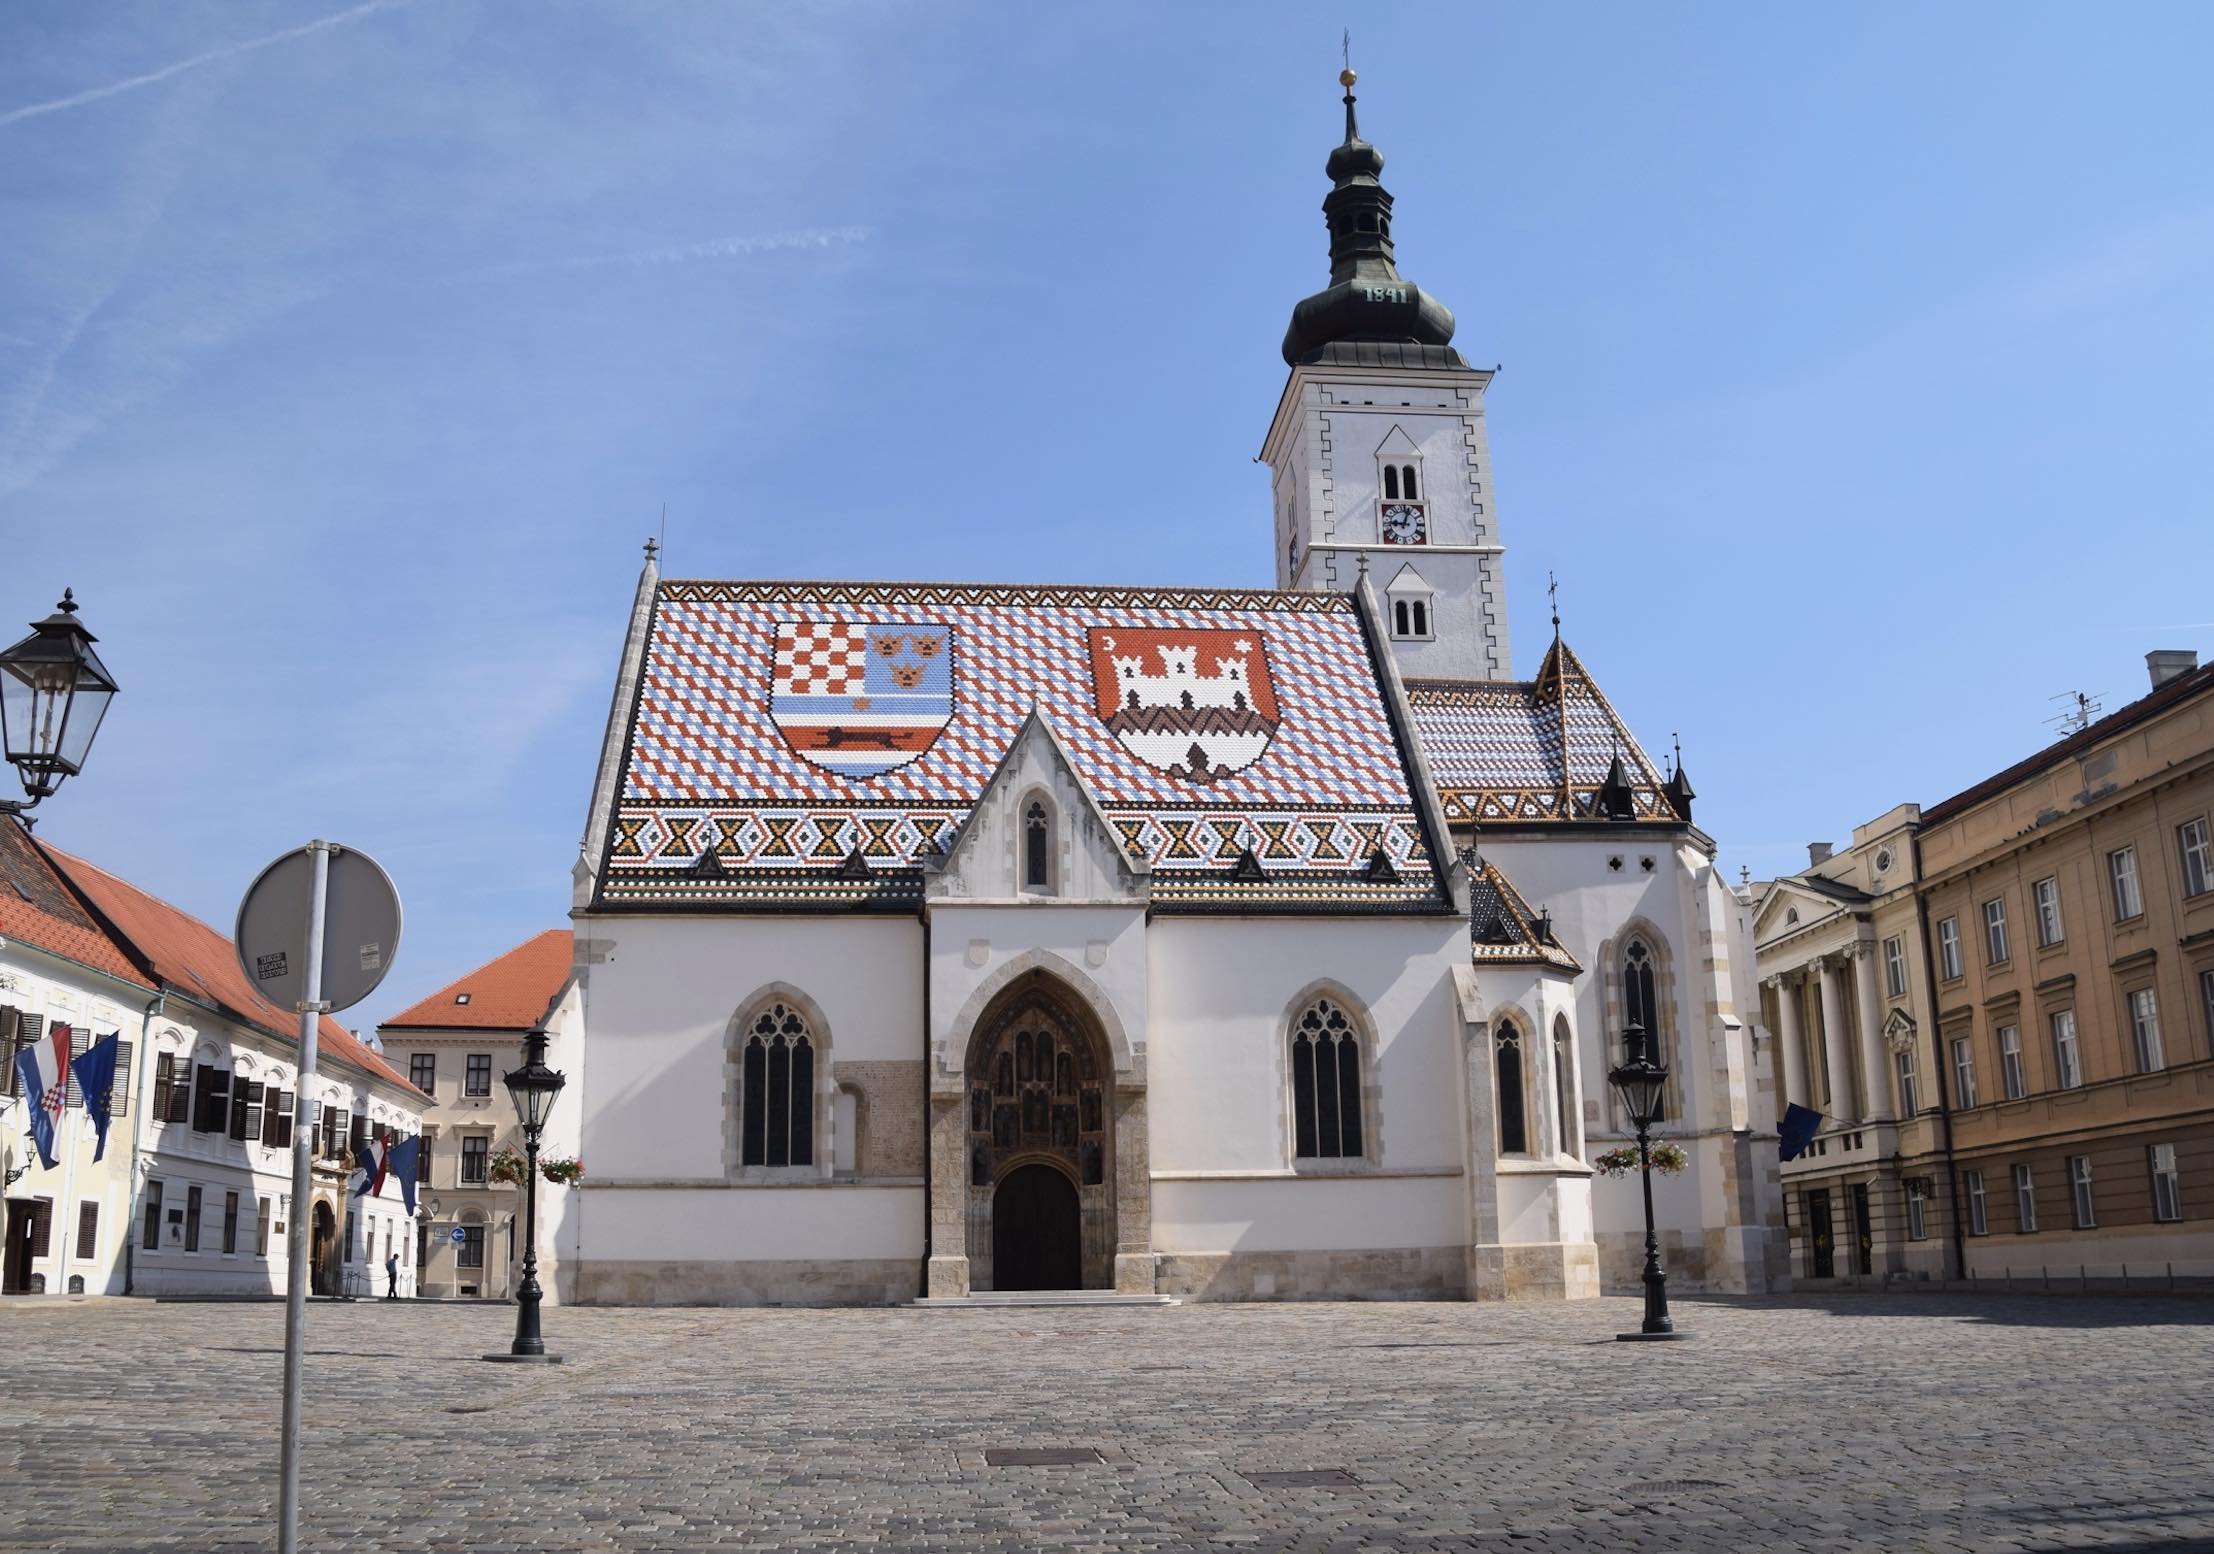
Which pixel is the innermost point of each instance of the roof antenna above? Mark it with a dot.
(2078, 712)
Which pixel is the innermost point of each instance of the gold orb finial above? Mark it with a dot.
(1347, 77)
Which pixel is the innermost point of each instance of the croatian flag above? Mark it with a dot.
(44, 1070)
(369, 1167)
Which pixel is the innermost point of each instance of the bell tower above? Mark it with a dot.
(1378, 451)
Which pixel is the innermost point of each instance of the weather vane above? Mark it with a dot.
(1553, 592)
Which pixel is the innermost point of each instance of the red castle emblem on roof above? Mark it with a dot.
(1197, 704)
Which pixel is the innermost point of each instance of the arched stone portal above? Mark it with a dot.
(1038, 1084)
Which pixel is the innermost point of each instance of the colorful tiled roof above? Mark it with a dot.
(198, 963)
(37, 909)
(1531, 751)
(1502, 930)
(816, 743)
(510, 993)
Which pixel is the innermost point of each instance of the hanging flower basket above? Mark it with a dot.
(560, 1171)
(1668, 1159)
(507, 1168)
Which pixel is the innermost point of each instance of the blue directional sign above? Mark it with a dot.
(458, 1235)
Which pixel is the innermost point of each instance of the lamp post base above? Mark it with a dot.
(504, 1358)
(1632, 1338)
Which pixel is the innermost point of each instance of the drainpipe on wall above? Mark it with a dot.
(132, 1186)
(1937, 1061)
(922, 1286)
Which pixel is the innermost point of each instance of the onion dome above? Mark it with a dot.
(1367, 298)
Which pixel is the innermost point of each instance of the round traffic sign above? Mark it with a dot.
(361, 928)
(458, 1236)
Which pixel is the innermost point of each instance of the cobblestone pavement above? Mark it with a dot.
(1877, 1423)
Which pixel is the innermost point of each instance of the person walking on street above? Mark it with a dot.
(392, 1276)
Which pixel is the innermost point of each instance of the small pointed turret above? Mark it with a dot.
(1367, 298)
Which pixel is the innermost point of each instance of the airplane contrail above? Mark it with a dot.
(229, 51)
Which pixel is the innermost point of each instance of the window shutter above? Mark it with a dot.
(255, 1090)
(88, 1228)
(80, 1037)
(42, 1225)
(119, 1098)
(8, 1017)
(238, 1108)
(29, 1028)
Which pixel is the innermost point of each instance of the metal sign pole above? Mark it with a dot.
(296, 1233)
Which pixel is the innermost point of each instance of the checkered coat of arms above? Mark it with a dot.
(860, 698)
(1197, 704)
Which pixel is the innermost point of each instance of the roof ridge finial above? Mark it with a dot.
(1553, 592)
(653, 549)
(1346, 78)
(1676, 741)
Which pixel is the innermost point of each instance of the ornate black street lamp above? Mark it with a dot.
(53, 693)
(1641, 1083)
(533, 1087)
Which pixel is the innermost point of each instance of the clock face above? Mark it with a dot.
(1404, 523)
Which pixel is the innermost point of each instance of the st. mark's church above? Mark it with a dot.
(1203, 942)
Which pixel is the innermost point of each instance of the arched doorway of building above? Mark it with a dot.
(1037, 1231)
(1040, 1143)
(323, 1252)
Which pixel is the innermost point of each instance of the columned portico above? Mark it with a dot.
(1790, 1039)
(1875, 1084)
(1837, 1042)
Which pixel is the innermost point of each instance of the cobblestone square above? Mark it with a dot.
(1868, 1423)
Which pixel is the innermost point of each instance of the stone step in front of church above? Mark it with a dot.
(986, 1300)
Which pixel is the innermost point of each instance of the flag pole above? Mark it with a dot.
(296, 1231)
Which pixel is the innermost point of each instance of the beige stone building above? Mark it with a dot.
(2004, 1007)
(456, 1045)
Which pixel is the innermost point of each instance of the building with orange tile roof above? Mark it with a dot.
(455, 1044)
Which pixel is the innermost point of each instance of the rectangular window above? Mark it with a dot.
(2198, 857)
(2206, 1003)
(1910, 1097)
(242, 1110)
(2121, 870)
(1948, 947)
(192, 1218)
(2144, 1029)
(1918, 1209)
(42, 1226)
(165, 1074)
(261, 1227)
(2046, 895)
(1895, 966)
(2025, 1200)
(1964, 1073)
(479, 1078)
(1979, 1210)
(347, 1251)
(2011, 1074)
(2079, 1189)
(423, 1161)
(470, 1254)
(357, 1138)
(179, 1103)
(80, 1037)
(2067, 1056)
(230, 1222)
(1994, 931)
(149, 1237)
(211, 1098)
(119, 1091)
(2167, 1186)
(88, 1231)
(422, 1071)
(476, 1154)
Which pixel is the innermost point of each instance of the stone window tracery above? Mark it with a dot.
(776, 1090)
(1326, 1084)
(1514, 1126)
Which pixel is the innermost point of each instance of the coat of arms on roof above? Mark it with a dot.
(1197, 704)
(858, 698)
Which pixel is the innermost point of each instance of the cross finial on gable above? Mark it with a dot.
(1553, 592)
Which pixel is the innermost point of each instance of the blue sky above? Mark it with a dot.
(1855, 368)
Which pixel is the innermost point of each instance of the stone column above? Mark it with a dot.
(1875, 1084)
(1135, 1265)
(1789, 1039)
(947, 1276)
(1837, 1042)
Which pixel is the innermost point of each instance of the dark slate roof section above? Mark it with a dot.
(1522, 752)
(2182, 688)
(1836, 890)
(1503, 931)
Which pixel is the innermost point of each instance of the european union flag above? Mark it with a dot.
(95, 1071)
(1796, 1131)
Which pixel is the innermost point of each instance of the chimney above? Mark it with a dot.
(2166, 664)
(1818, 853)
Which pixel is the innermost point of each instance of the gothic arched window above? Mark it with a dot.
(1640, 1005)
(1326, 1084)
(1037, 841)
(777, 1090)
(1391, 482)
(1564, 1085)
(1407, 482)
(1514, 1126)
